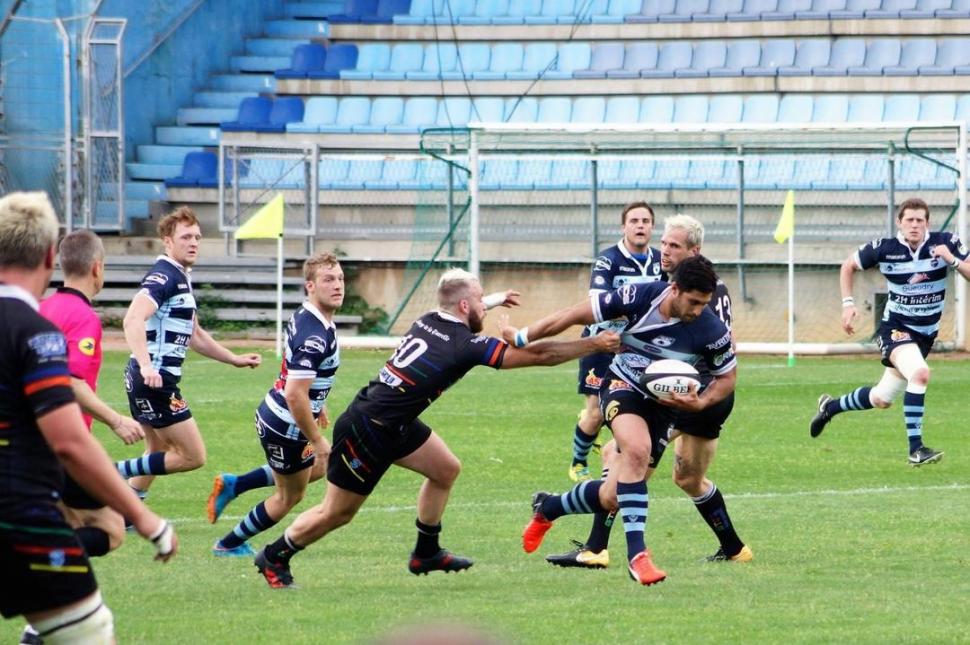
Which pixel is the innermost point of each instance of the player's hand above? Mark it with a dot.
(506, 330)
(688, 402)
(151, 377)
(849, 314)
(128, 430)
(159, 532)
(512, 299)
(323, 421)
(608, 341)
(247, 360)
(943, 252)
(321, 448)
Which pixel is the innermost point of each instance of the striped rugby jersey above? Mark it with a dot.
(169, 330)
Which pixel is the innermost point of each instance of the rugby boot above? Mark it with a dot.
(744, 555)
(223, 492)
(643, 570)
(579, 473)
(820, 420)
(582, 557)
(443, 560)
(243, 550)
(536, 529)
(277, 576)
(924, 455)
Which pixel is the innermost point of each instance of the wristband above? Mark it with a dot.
(162, 539)
(493, 300)
(848, 302)
(956, 263)
(521, 337)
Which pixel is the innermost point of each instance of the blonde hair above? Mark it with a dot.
(28, 229)
(453, 286)
(79, 251)
(317, 260)
(181, 215)
(693, 228)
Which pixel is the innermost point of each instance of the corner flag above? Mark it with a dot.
(786, 225)
(266, 223)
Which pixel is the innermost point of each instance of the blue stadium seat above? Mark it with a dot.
(488, 109)
(690, 109)
(354, 11)
(632, 174)
(612, 11)
(534, 173)
(951, 54)
(454, 111)
(399, 174)
(718, 11)
(361, 174)
(622, 109)
(485, 11)
(937, 107)
(795, 108)
(418, 111)
(305, 59)
(725, 108)
(196, 167)
(786, 9)
(419, 11)
(670, 173)
(915, 53)
(657, 109)
(959, 9)
(925, 8)
(404, 58)
(517, 12)
(386, 11)
(554, 109)
(768, 173)
(684, 10)
(552, 12)
(319, 110)
(496, 173)
(752, 10)
(332, 171)
(740, 54)
(384, 111)
(439, 58)
(605, 57)
(673, 55)
(575, 174)
(651, 10)
(846, 53)
(253, 112)
(472, 57)
(588, 109)
(537, 58)
(713, 174)
(880, 54)
(351, 111)
(810, 170)
(372, 57)
(776, 54)
(449, 11)
(339, 57)
(914, 173)
(855, 9)
(831, 108)
(760, 109)
(572, 56)
(865, 107)
(285, 110)
(609, 173)
(810, 53)
(521, 109)
(820, 10)
(506, 58)
(891, 8)
(706, 54)
(902, 107)
(640, 55)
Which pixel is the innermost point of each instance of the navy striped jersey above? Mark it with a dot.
(436, 352)
(916, 280)
(34, 380)
(169, 330)
(648, 337)
(310, 352)
(615, 267)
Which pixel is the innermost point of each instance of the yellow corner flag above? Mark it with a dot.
(266, 223)
(786, 225)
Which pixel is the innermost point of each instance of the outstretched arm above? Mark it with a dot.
(555, 352)
(846, 280)
(579, 314)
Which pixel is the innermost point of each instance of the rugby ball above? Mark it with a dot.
(664, 378)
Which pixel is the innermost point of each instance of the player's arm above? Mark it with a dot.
(717, 390)
(127, 429)
(555, 352)
(846, 282)
(297, 395)
(203, 342)
(88, 464)
(945, 253)
(555, 323)
(142, 308)
(507, 298)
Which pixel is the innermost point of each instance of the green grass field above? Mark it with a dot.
(851, 544)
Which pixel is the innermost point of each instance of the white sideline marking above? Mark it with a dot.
(524, 502)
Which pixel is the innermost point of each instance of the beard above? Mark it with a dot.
(475, 322)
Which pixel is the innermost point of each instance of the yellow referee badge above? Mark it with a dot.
(86, 345)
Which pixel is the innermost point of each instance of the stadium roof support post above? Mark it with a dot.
(474, 221)
(68, 132)
(742, 283)
(890, 190)
(961, 286)
(594, 201)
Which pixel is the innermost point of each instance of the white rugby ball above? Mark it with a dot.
(667, 377)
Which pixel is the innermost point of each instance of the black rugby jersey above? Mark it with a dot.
(34, 380)
(436, 352)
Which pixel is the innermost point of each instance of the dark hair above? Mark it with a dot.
(695, 274)
(913, 203)
(640, 204)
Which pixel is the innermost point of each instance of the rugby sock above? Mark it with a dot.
(280, 551)
(257, 478)
(858, 399)
(584, 497)
(582, 443)
(599, 533)
(427, 544)
(633, 502)
(150, 464)
(94, 540)
(913, 400)
(712, 508)
(255, 522)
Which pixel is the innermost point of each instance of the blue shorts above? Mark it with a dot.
(890, 337)
(592, 369)
(157, 407)
(618, 397)
(708, 422)
(287, 450)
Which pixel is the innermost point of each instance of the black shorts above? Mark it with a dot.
(618, 397)
(157, 407)
(363, 449)
(592, 369)
(76, 497)
(708, 422)
(287, 450)
(889, 338)
(43, 563)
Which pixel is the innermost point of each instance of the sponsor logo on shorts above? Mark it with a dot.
(897, 336)
(86, 346)
(307, 452)
(177, 404)
(616, 384)
(611, 410)
(592, 380)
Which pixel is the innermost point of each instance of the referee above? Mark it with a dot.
(47, 576)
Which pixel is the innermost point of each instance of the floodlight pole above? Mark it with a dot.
(474, 222)
(961, 285)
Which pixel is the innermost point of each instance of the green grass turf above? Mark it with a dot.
(851, 544)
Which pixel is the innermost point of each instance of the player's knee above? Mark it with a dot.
(609, 452)
(291, 498)
(920, 376)
(89, 622)
(637, 455)
(449, 471)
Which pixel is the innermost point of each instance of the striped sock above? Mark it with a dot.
(712, 508)
(913, 400)
(150, 464)
(582, 443)
(858, 399)
(584, 497)
(257, 478)
(255, 522)
(633, 501)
